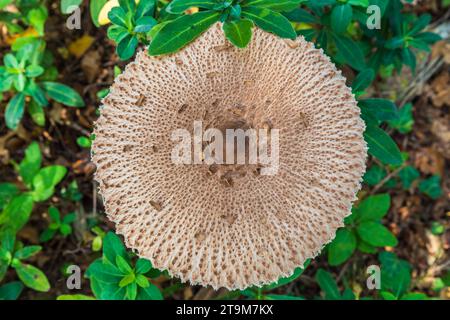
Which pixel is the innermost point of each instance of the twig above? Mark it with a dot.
(386, 179)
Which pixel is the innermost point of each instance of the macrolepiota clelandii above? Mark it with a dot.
(227, 225)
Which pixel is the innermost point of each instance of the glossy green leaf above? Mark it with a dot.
(270, 21)
(37, 113)
(363, 80)
(328, 285)
(95, 7)
(31, 163)
(180, 6)
(63, 94)
(74, 297)
(149, 293)
(382, 146)
(32, 277)
(238, 32)
(112, 247)
(127, 47)
(285, 280)
(407, 176)
(11, 291)
(7, 192)
(45, 181)
(143, 266)
(177, 33)
(341, 15)
(17, 212)
(376, 234)
(395, 274)
(27, 252)
(404, 121)
(342, 247)
(350, 52)
(375, 207)
(14, 111)
(279, 5)
(431, 187)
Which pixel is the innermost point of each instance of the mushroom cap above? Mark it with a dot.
(183, 218)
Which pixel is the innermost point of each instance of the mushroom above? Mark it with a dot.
(226, 225)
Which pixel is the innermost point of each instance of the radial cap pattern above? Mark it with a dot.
(252, 229)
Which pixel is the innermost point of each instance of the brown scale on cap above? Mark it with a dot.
(230, 226)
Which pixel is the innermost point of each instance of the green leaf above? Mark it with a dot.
(283, 281)
(118, 17)
(238, 32)
(131, 291)
(395, 274)
(145, 8)
(376, 234)
(129, 278)
(431, 187)
(142, 281)
(341, 15)
(27, 252)
(45, 181)
(143, 266)
(179, 32)
(279, 5)
(363, 80)
(409, 58)
(123, 265)
(112, 247)
(381, 109)
(67, 5)
(14, 111)
(32, 277)
(105, 273)
(342, 247)
(374, 207)
(405, 120)
(37, 18)
(74, 297)
(180, 6)
(420, 24)
(7, 192)
(127, 47)
(33, 71)
(145, 24)
(16, 214)
(47, 235)
(387, 295)
(31, 164)
(149, 293)
(65, 229)
(374, 175)
(350, 52)
(300, 15)
(95, 7)
(37, 113)
(428, 37)
(366, 248)
(407, 176)
(414, 296)
(382, 146)
(36, 93)
(361, 3)
(63, 94)
(328, 285)
(11, 291)
(270, 21)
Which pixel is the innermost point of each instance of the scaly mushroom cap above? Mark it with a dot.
(252, 229)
